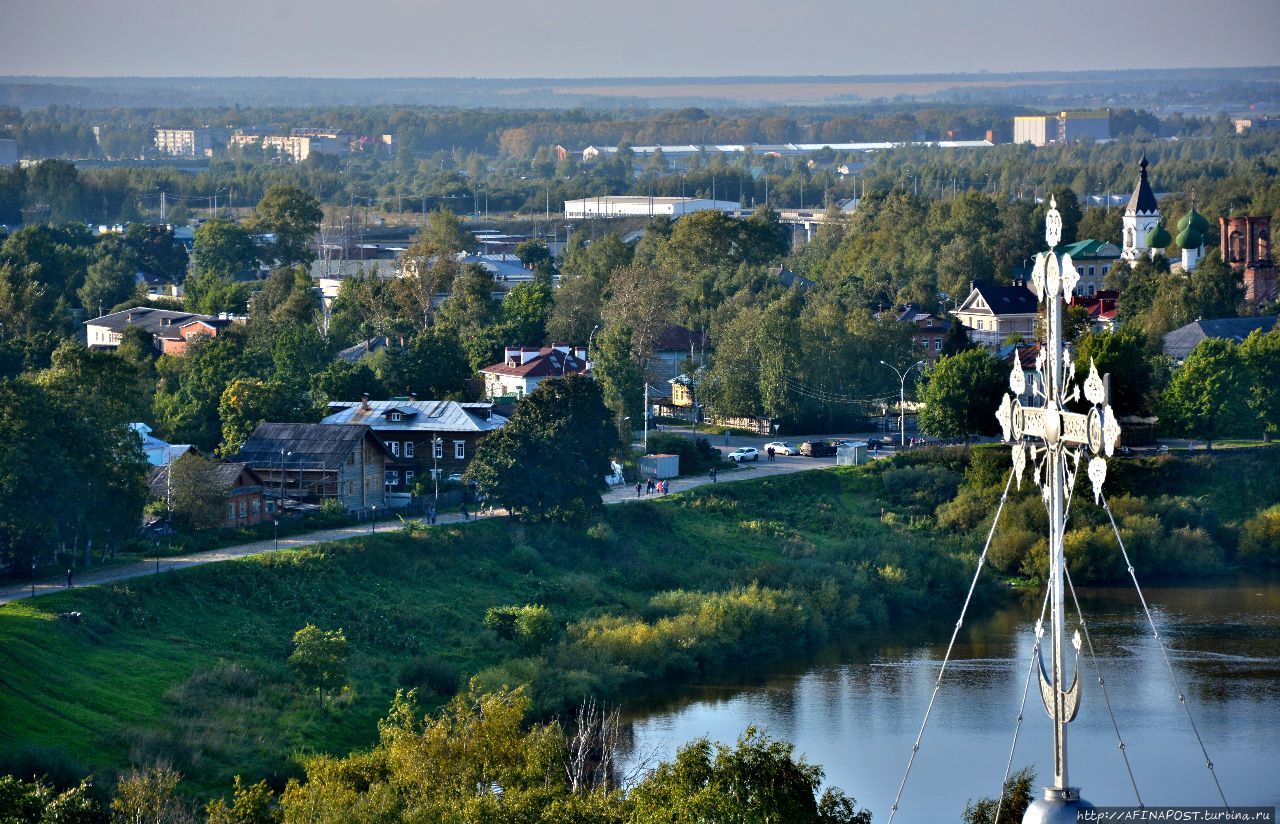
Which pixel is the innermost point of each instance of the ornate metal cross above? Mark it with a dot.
(1053, 440)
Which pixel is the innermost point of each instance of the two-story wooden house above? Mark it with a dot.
(314, 462)
(421, 436)
(992, 314)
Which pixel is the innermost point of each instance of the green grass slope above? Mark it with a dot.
(188, 667)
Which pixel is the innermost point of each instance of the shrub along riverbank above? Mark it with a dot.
(189, 668)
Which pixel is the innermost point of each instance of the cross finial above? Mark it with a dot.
(1053, 224)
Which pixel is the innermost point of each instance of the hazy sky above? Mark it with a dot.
(556, 38)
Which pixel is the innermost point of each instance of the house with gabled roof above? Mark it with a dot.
(421, 436)
(243, 491)
(992, 313)
(315, 462)
(522, 368)
(1179, 343)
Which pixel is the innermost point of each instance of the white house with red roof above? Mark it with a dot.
(523, 368)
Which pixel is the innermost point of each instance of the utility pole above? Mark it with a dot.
(646, 416)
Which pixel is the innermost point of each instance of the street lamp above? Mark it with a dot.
(436, 445)
(902, 399)
(275, 533)
(373, 521)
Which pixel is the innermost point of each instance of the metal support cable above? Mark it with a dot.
(1208, 762)
(1097, 671)
(1026, 688)
(1004, 496)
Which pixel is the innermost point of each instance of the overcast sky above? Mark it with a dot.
(557, 38)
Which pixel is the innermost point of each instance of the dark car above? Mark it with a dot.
(817, 449)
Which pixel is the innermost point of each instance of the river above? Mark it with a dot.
(855, 711)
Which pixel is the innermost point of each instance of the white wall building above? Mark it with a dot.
(641, 206)
(201, 142)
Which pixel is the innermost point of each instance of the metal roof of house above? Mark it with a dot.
(1002, 300)
(151, 320)
(314, 445)
(1179, 343)
(225, 475)
(549, 362)
(1091, 248)
(418, 416)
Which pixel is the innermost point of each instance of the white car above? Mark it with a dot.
(744, 453)
(782, 448)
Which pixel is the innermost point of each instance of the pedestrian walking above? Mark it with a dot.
(466, 516)
(649, 486)
(68, 579)
(769, 452)
(639, 487)
(713, 474)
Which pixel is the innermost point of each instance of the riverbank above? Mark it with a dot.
(189, 666)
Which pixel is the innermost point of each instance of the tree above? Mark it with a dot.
(621, 378)
(762, 239)
(110, 279)
(533, 253)
(1213, 289)
(960, 394)
(432, 365)
(249, 805)
(38, 802)
(191, 386)
(194, 496)
(319, 659)
(286, 221)
(149, 797)
(223, 248)
(575, 310)
(1260, 357)
(1125, 355)
(1017, 796)
(247, 402)
(759, 780)
(956, 339)
(525, 312)
(643, 298)
(211, 293)
(344, 381)
(156, 252)
(444, 232)
(1207, 395)
(529, 467)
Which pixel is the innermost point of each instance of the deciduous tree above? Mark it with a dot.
(960, 394)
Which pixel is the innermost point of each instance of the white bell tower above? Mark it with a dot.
(1140, 217)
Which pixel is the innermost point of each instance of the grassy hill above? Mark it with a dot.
(189, 667)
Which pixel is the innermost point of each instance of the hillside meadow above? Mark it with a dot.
(188, 668)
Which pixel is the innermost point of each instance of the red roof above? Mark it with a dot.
(1100, 306)
(548, 362)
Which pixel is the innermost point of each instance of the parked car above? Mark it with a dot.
(744, 453)
(782, 448)
(876, 443)
(817, 449)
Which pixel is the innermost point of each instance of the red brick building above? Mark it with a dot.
(1246, 247)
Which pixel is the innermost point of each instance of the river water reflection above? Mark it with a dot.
(856, 711)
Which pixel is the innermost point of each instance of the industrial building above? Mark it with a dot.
(641, 206)
(1064, 127)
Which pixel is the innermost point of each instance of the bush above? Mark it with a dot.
(532, 625)
(1260, 539)
(696, 456)
(922, 487)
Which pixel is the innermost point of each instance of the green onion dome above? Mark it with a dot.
(1158, 237)
(1189, 238)
(1194, 220)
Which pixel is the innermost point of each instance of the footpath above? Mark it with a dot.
(617, 495)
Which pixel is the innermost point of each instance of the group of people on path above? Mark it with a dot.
(650, 486)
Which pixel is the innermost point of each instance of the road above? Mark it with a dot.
(759, 469)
